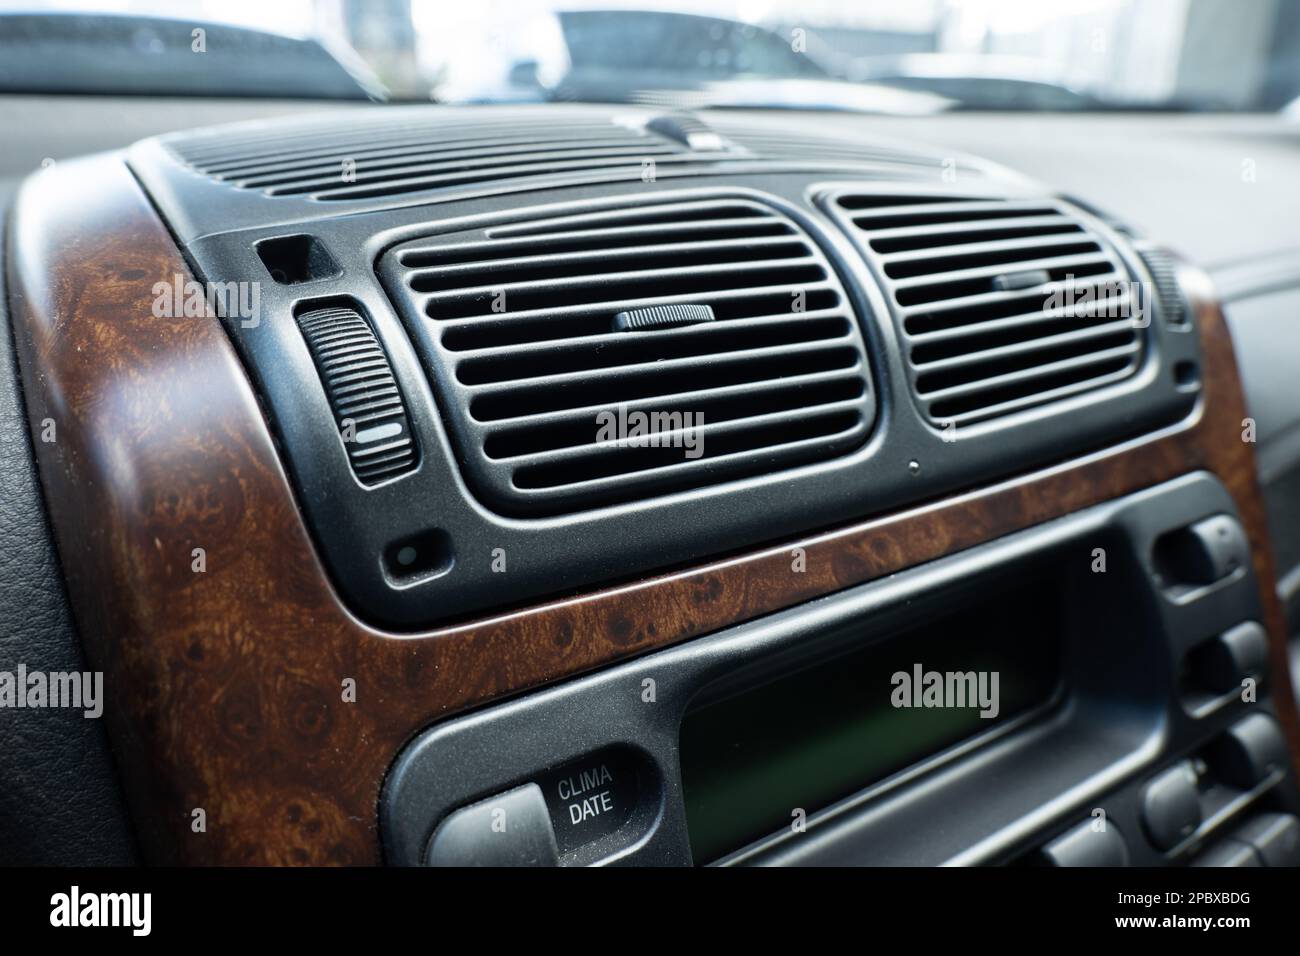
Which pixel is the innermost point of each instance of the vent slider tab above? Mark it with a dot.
(662, 317)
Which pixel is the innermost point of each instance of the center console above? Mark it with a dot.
(1093, 690)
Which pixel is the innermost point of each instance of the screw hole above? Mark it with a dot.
(1187, 376)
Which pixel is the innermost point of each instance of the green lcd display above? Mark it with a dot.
(753, 755)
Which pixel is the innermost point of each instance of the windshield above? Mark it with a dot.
(919, 56)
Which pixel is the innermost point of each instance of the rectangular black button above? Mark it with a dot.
(510, 829)
(590, 798)
(1275, 836)
(1087, 845)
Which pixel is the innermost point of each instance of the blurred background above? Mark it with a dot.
(902, 57)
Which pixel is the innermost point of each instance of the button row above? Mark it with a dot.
(1243, 757)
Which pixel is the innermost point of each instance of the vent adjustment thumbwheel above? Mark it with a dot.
(1164, 269)
(362, 393)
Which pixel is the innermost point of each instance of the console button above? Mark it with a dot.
(1215, 548)
(1223, 662)
(1085, 846)
(1171, 807)
(590, 798)
(1229, 853)
(1276, 837)
(510, 829)
(1249, 751)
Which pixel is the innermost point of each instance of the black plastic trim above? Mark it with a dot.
(554, 555)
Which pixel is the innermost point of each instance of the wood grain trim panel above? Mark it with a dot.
(225, 686)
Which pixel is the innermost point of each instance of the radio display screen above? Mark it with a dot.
(761, 757)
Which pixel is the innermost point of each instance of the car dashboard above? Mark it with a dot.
(655, 479)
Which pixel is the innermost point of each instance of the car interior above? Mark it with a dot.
(693, 434)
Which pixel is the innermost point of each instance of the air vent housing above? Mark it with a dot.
(514, 311)
(557, 405)
(1003, 305)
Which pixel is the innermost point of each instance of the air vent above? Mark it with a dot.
(362, 392)
(546, 381)
(336, 160)
(1004, 304)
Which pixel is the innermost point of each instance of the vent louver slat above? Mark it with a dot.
(398, 150)
(525, 329)
(362, 392)
(321, 175)
(1004, 304)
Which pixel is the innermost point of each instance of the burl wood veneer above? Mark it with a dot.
(226, 687)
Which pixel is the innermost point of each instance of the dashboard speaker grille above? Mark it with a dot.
(364, 157)
(1003, 304)
(560, 403)
(344, 161)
